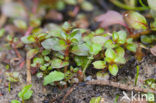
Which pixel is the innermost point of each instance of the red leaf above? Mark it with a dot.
(52, 14)
(110, 18)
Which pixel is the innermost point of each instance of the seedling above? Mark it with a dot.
(15, 101)
(95, 100)
(25, 93)
(114, 52)
(54, 51)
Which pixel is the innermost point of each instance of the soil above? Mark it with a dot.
(82, 93)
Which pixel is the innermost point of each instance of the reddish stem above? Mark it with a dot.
(28, 31)
(34, 9)
(67, 54)
(76, 10)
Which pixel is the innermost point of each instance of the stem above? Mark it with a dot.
(121, 5)
(29, 30)
(137, 74)
(9, 87)
(67, 55)
(34, 9)
(87, 64)
(22, 101)
(140, 1)
(137, 35)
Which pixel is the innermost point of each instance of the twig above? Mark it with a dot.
(121, 86)
(28, 62)
(3, 19)
(16, 51)
(68, 93)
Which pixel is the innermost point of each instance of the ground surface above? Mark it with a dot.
(82, 93)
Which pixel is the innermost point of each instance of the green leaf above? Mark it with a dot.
(129, 40)
(43, 68)
(71, 2)
(66, 26)
(131, 47)
(28, 39)
(120, 51)
(120, 60)
(99, 40)
(25, 93)
(95, 100)
(80, 50)
(99, 31)
(37, 61)
(2, 32)
(58, 63)
(41, 36)
(110, 53)
(113, 69)
(102, 76)
(109, 60)
(95, 49)
(31, 53)
(153, 24)
(135, 20)
(99, 64)
(76, 35)
(13, 10)
(13, 76)
(54, 44)
(21, 24)
(109, 44)
(122, 37)
(34, 22)
(63, 35)
(45, 52)
(15, 101)
(59, 55)
(146, 39)
(54, 33)
(60, 5)
(150, 97)
(39, 75)
(80, 60)
(115, 36)
(87, 6)
(47, 58)
(52, 77)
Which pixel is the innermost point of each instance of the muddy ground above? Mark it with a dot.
(82, 93)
